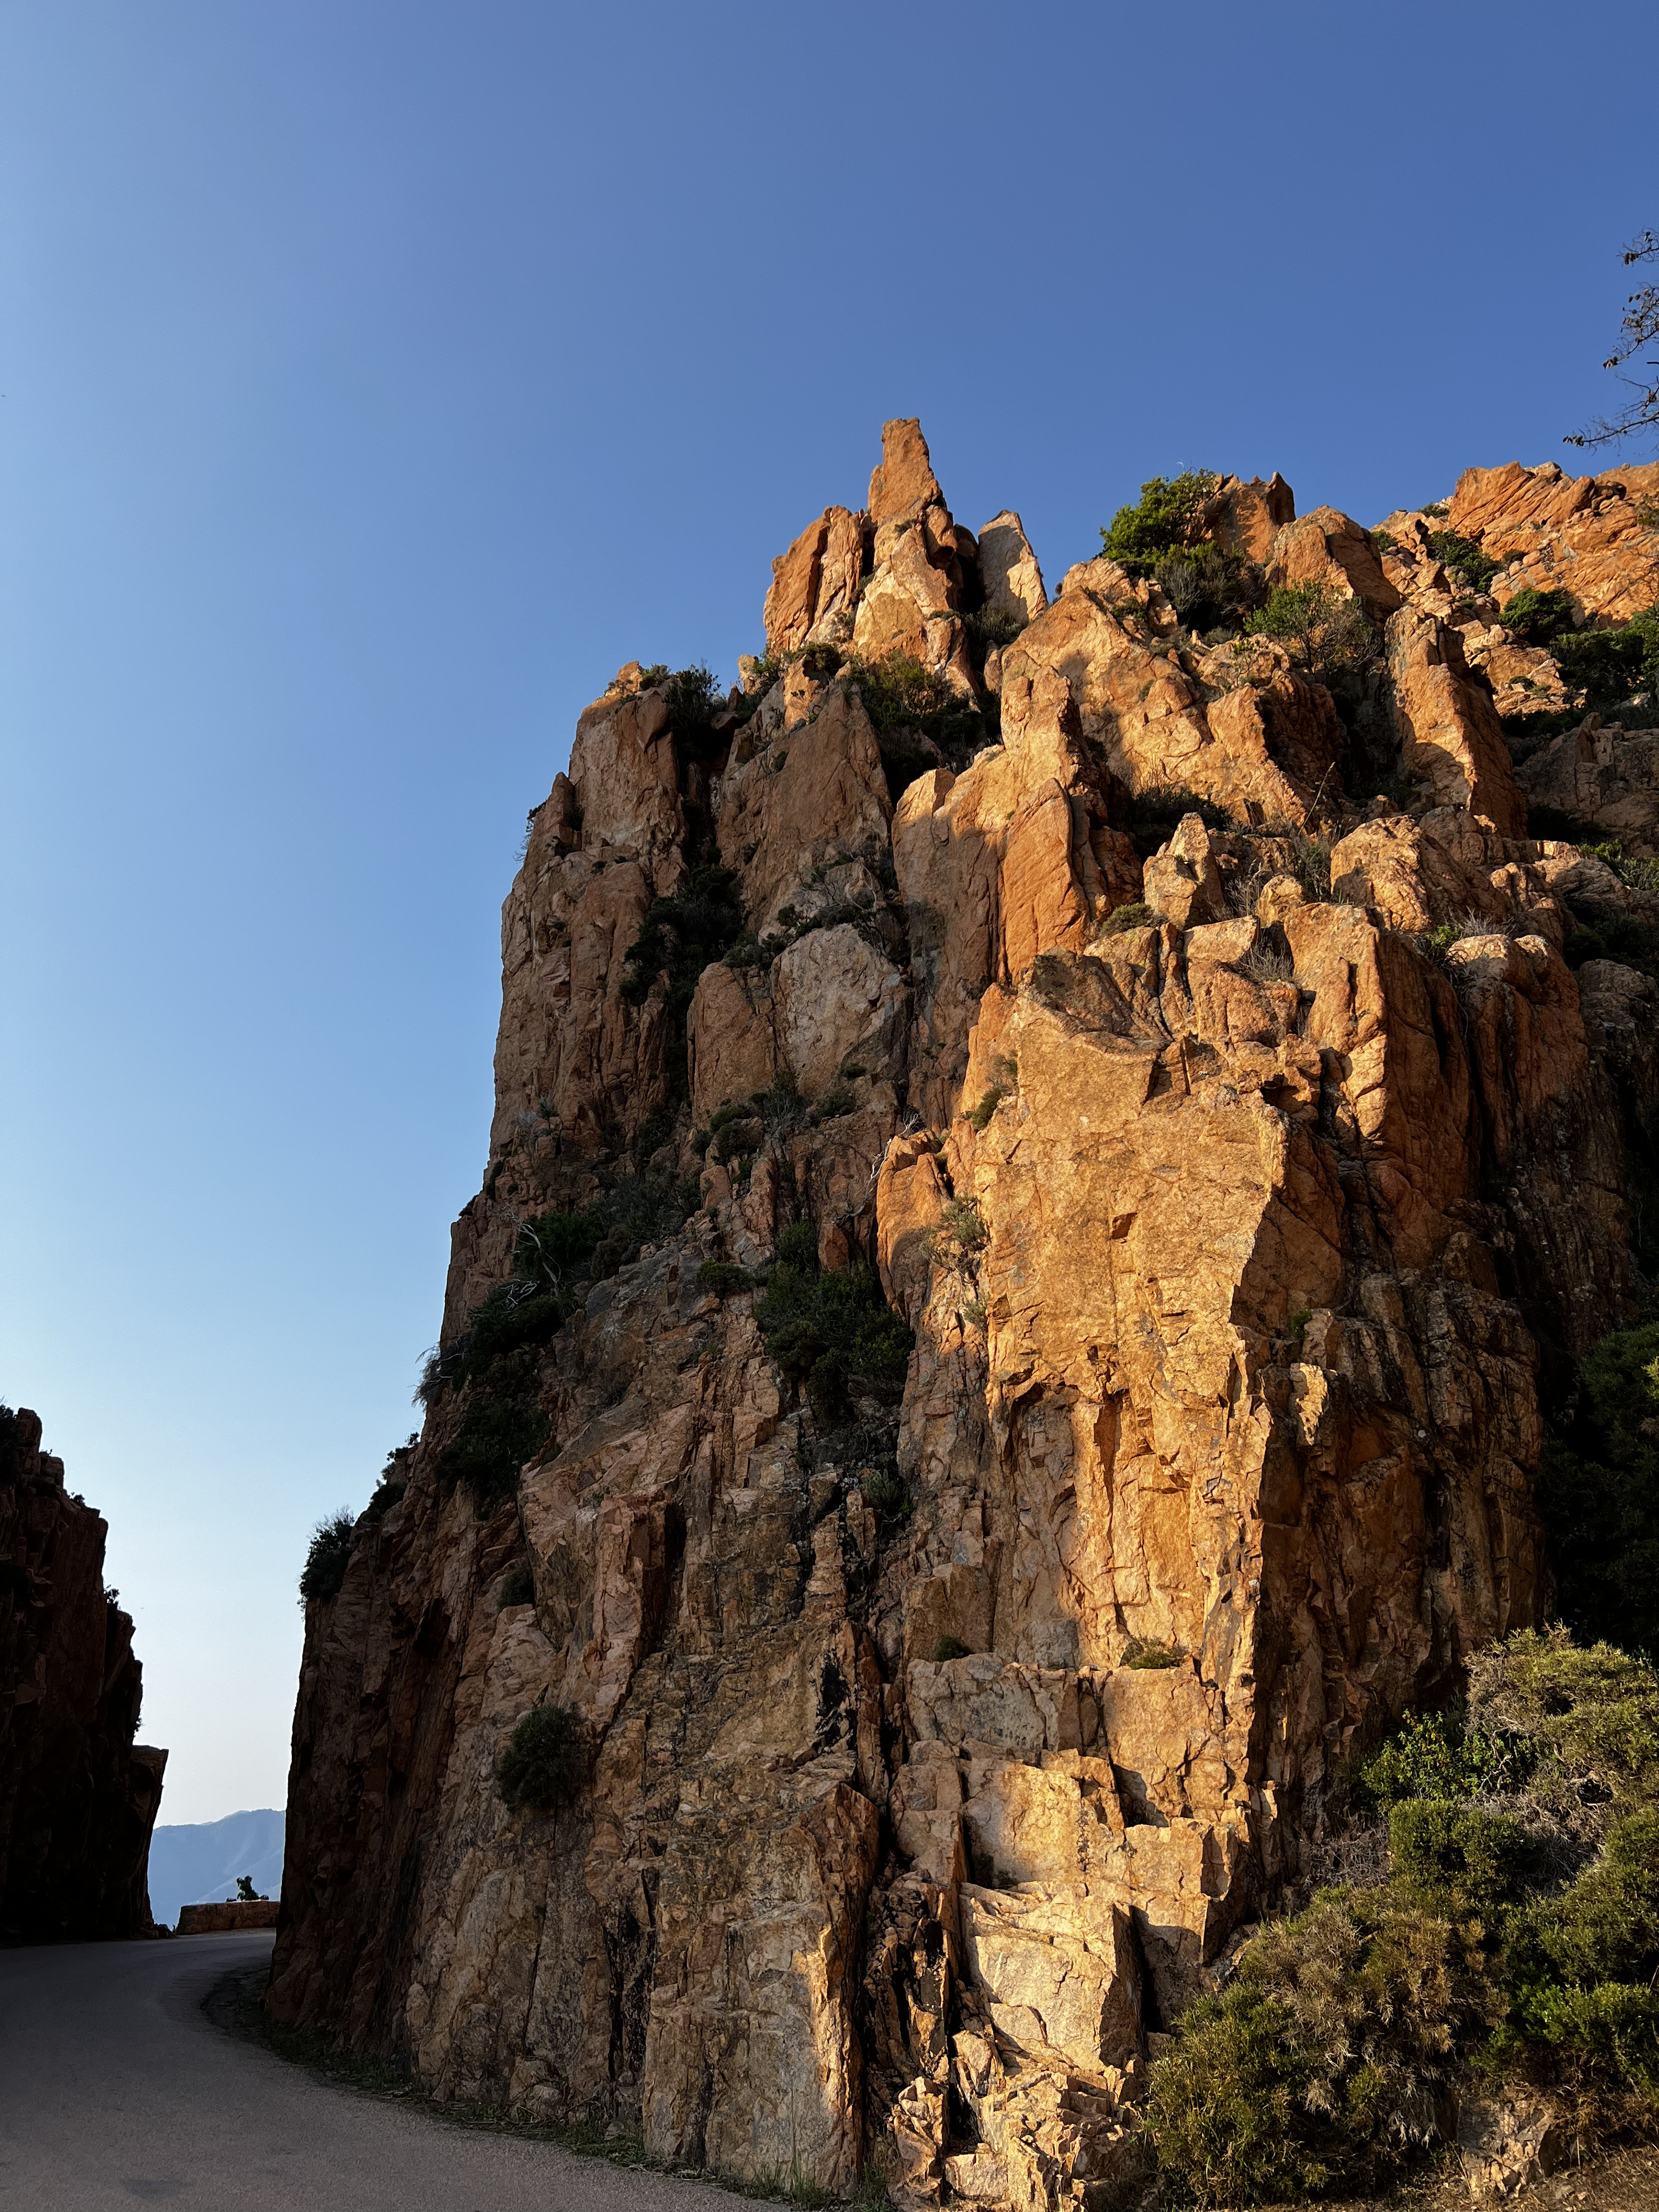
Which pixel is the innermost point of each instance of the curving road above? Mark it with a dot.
(116, 2090)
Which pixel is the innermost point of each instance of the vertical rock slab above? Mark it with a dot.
(1448, 727)
(78, 1797)
(1009, 575)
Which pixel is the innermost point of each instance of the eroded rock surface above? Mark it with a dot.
(1242, 1186)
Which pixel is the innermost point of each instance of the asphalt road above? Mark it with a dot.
(116, 2088)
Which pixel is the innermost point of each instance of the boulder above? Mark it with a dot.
(809, 798)
(233, 1918)
(1508, 2142)
(1151, 713)
(730, 1049)
(1447, 728)
(1329, 547)
(1417, 873)
(1182, 882)
(1009, 575)
(837, 998)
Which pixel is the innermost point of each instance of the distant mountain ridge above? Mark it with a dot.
(199, 1864)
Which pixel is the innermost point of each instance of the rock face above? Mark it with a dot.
(78, 1797)
(930, 1745)
(1607, 777)
(1592, 536)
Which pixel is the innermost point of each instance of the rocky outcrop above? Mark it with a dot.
(1328, 547)
(1448, 731)
(926, 1747)
(1595, 537)
(1234, 725)
(1247, 517)
(78, 1797)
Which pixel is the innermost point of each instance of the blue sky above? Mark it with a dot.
(376, 379)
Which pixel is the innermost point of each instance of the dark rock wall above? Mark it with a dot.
(78, 1797)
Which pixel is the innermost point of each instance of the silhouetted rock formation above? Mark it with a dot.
(78, 1797)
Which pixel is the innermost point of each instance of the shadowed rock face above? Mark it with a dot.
(78, 1798)
(934, 1743)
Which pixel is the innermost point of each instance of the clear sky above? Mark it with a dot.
(377, 376)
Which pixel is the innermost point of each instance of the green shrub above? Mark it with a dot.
(1052, 978)
(1537, 617)
(980, 1117)
(1604, 1927)
(518, 1586)
(1603, 2038)
(1164, 517)
(541, 1768)
(554, 1243)
(1456, 1858)
(1210, 586)
(836, 1102)
(917, 717)
(1604, 933)
(1150, 1658)
(882, 1490)
(693, 697)
(949, 1647)
(831, 1330)
(964, 1225)
(631, 1210)
(764, 670)
(328, 1555)
(1156, 813)
(681, 935)
(1465, 564)
(501, 1427)
(1315, 2066)
(723, 1277)
(990, 633)
(506, 1318)
(1609, 665)
(1264, 963)
(797, 1245)
(11, 1460)
(1382, 541)
(394, 1480)
(1324, 633)
(1429, 1755)
(1589, 1713)
(1134, 913)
